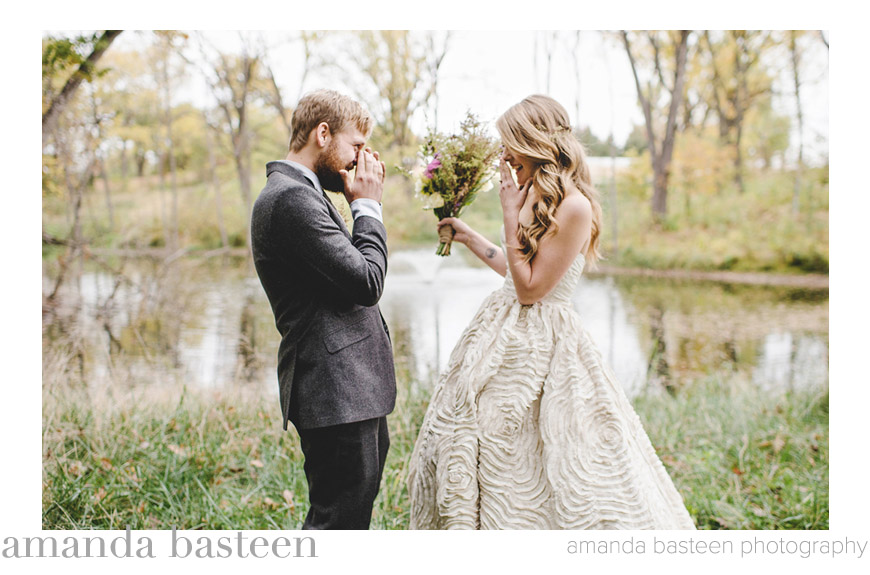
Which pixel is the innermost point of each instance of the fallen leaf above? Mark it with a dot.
(141, 508)
(288, 497)
(736, 470)
(100, 494)
(256, 463)
(269, 502)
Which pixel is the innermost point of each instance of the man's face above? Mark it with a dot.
(340, 154)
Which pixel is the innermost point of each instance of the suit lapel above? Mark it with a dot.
(300, 176)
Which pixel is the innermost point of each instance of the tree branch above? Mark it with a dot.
(83, 71)
(644, 102)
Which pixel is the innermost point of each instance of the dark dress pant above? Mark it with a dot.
(343, 466)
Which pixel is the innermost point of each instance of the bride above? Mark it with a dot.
(527, 428)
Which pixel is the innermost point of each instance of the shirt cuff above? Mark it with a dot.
(366, 207)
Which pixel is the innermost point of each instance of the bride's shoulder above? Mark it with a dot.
(575, 208)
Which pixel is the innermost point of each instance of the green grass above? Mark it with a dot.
(742, 458)
(722, 230)
(705, 229)
(156, 458)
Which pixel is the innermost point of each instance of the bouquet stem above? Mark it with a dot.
(445, 235)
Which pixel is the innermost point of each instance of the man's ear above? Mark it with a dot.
(322, 133)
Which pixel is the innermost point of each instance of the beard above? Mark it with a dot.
(327, 167)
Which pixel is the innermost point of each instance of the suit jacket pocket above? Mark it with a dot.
(355, 331)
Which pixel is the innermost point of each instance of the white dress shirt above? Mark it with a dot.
(359, 207)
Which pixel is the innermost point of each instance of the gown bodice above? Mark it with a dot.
(563, 291)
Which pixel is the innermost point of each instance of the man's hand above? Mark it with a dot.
(368, 180)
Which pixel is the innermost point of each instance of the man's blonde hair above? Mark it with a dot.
(337, 110)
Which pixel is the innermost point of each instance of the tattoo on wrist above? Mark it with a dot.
(490, 253)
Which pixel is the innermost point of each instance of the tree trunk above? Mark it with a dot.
(125, 167)
(216, 186)
(172, 239)
(101, 160)
(738, 158)
(167, 235)
(140, 162)
(279, 102)
(661, 155)
(109, 207)
(614, 200)
(798, 179)
(661, 175)
(75, 193)
(244, 171)
(741, 105)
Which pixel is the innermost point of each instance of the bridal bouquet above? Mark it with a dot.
(452, 169)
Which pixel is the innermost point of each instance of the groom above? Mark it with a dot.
(335, 364)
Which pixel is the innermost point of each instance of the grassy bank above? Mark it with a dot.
(156, 458)
(705, 230)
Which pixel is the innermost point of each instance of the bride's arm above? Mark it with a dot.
(488, 252)
(556, 252)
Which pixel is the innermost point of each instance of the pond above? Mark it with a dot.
(207, 323)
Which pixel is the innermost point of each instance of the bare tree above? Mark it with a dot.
(211, 129)
(397, 78)
(614, 199)
(98, 120)
(436, 53)
(277, 101)
(310, 61)
(75, 149)
(550, 40)
(661, 146)
(166, 47)
(575, 57)
(232, 80)
(795, 52)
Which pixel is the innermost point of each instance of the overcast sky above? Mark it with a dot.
(488, 71)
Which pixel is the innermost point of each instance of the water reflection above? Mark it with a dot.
(208, 324)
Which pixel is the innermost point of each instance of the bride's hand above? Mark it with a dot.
(463, 230)
(512, 198)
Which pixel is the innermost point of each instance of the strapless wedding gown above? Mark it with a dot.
(528, 429)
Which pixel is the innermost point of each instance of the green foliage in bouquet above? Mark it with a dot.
(457, 167)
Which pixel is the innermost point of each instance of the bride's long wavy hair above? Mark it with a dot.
(539, 129)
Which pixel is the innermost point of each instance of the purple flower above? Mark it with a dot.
(433, 165)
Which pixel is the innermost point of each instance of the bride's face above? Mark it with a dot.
(523, 166)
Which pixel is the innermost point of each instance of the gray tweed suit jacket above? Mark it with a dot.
(335, 360)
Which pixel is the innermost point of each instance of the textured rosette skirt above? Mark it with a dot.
(528, 429)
